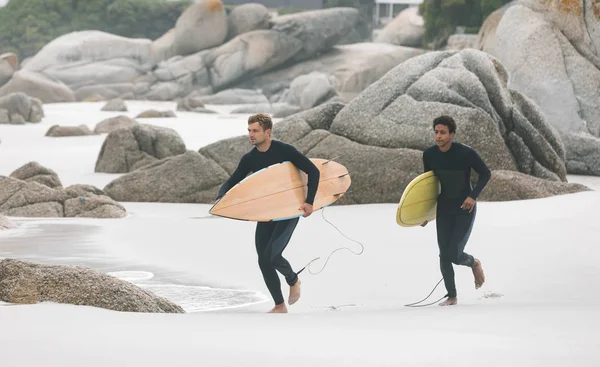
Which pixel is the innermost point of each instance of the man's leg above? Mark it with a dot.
(445, 224)
(264, 232)
(279, 240)
(459, 238)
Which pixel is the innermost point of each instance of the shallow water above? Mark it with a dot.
(78, 242)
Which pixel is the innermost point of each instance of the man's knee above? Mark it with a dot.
(265, 261)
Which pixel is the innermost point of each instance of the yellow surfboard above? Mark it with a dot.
(419, 200)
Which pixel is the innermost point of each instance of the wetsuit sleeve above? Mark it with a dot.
(239, 174)
(482, 170)
(426, 166)
(307, 166)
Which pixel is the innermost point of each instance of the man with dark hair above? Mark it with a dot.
(271, 238)
(456, 208)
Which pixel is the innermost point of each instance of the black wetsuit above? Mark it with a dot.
(272, 237)
(453, 169)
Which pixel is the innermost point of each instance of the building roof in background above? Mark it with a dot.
(301, 4)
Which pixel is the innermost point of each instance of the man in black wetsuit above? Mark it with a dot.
(271, 238)
(452, 162)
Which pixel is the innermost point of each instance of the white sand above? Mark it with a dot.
(538, 307)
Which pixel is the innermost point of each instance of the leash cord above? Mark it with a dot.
(307, 266)
(416, 304)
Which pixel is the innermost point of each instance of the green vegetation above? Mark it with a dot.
(443, 16)
(27, 25)
(364, 6)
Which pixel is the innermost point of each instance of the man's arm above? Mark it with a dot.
(238, 175)
(482, 170)
(426, 166)
(307, 166)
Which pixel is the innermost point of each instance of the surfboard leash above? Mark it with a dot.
(307, 266)
(416, 304)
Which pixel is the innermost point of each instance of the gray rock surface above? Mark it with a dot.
(203, 25)
(552, 54)
(37, 86)
(116, 104)
(126, 150)
(352, 68)
(24, 282)
(20, 108)
(36, 191)
(114, 123)
(155, 114)
(508, 129)
(62, 131)
(185, 178)
(511, 185)
(35, 172)
(247, 17)
(406, 29)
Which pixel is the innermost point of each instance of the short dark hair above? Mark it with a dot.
(446, 121)
(263, 120)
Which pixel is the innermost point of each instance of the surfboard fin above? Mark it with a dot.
(344, 175)
(332, 159)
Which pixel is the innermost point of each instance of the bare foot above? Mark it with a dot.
(294, 293)
(478, 274)
(280, 308)
(451, 301)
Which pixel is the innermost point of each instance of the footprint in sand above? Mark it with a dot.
(493, 295)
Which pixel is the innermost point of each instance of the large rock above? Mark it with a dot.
(177, 77)
(35, 172)
(21, 107)
(29, 283)
(114, 123)
(551, 50)
(186, 178)
(203, 25)
(310, 90)
(317, 30)
(352, 68)
(511, 185)
(91, 202)
(234, 96)
(62, 131)
(43, 196)
(9, 63)
(126, 150)
(247, 17)
(461, 41)
(104, 92)
(507, 129)
(92, 57)
(37, 86)
(249, 54)
(4, 116)
(163, 48)
(406, 29)
(152, 114)
(116, 104)
(277, 110)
